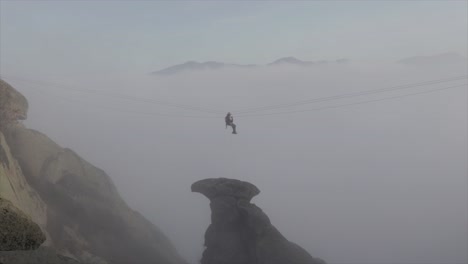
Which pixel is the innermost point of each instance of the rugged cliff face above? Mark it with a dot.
(76, 204)
(240, 232)
(15, 188)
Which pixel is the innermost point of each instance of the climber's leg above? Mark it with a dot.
(234, 128)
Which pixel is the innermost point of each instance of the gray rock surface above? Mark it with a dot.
(17, 230)
(15, 188)
(13, 105)
(85, 214)
(240, 232)
(43, 255)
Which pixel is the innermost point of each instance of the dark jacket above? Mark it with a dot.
(229, 119)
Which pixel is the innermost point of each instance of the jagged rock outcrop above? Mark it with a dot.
(240, 232)
(17, 230)
(13, 105)
(13, 185)
(20, 239)
(76, 204)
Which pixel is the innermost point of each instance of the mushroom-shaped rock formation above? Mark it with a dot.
(213, 188)
(240, 232)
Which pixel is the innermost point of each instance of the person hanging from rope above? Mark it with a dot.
(229, 122)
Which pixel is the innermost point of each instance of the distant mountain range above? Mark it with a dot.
(193, 66)
(438, 59)
(214, 65)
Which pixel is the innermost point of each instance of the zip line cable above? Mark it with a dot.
(347, 95)
(267, 114)
(357, 103)
(120, 96)
(272, 107)
(263, 108)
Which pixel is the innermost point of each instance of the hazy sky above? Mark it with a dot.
(383, 182)
(54, 38)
